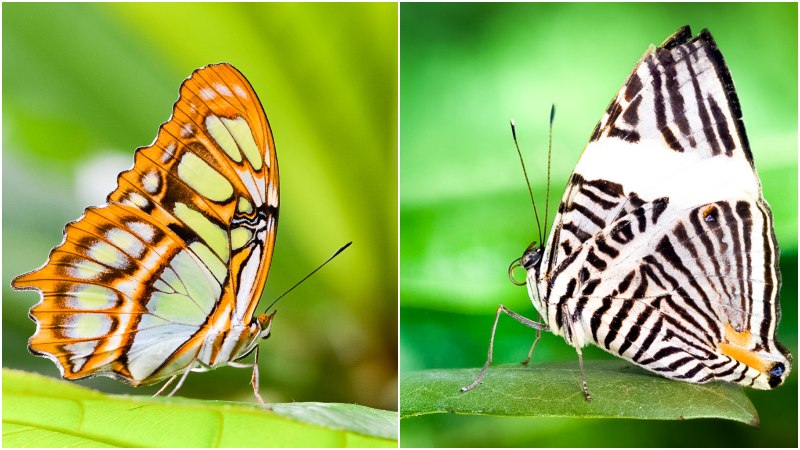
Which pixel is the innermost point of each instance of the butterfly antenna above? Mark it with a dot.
(341, 249)
(527, 181)
(549, 153)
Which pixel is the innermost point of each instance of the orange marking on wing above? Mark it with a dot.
(738, 347)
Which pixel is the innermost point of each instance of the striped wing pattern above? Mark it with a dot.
(663, 250)
(165, 277)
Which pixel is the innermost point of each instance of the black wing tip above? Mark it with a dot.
(706, 40)
(682, 36)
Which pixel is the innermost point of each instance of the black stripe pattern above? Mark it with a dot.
(682, 96)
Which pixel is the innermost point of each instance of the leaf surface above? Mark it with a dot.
(619, 390)
(44, 412)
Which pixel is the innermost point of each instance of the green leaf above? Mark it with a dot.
(43, 412)
(619, 390)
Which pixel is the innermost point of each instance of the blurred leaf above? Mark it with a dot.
(43, 412)
(619, 390)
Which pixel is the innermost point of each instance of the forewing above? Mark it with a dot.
(674, 129)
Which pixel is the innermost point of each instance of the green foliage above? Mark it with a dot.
(44, 412)
(619, 390)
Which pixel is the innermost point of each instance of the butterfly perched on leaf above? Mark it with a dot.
(663, 251)
(165, 277)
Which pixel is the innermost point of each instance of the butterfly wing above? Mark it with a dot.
(182, 247)
(663, 248)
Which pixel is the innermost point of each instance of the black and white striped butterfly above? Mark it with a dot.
(662, 251)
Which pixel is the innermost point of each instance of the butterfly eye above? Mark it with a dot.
(532, 257)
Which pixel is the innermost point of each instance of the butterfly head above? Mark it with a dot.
(265, 324)
(531, 261)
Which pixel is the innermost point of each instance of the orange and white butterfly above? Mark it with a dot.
(164, 279)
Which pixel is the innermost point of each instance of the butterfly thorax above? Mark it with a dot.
(225, 344)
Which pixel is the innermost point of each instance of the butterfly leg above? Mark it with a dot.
(180, 382)
(523, 320)
(585, 387)
(254, 381)
(533, 346)
(571, 320)
(171, 379)
(254, 378)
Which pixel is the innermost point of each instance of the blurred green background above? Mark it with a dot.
(465, 69)
(85, 84)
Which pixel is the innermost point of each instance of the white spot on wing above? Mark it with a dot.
(240, 92)
(87, 325)
(136, 200)
(126, 241)
(79, 351)
(207, 93)
(86, 270)
(222, 89)
(107, 254)
(82, 349)
(143, 230)
(169, 152)
(247, 178)
(187, 130)
(151, 181)
(272, 195)
(77, 363)
(89, 297)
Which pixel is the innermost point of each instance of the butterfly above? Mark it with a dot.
(164, 278)
(663, 251)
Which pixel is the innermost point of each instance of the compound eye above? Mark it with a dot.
(531, 257)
